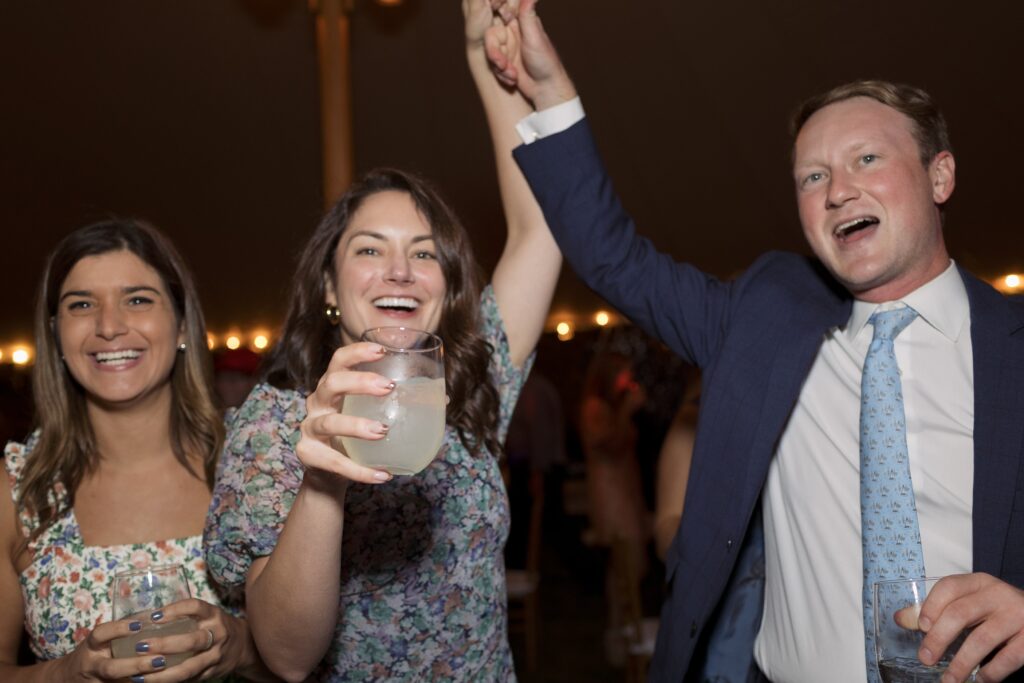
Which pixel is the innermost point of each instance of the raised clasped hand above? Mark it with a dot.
(319, 446)
(520, 52)
(992, 609)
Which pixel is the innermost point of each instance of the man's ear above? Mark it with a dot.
(942, 172)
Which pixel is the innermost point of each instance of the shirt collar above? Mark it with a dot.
(942, 303)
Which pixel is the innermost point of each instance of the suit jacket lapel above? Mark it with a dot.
(796, 339)
(998, 418)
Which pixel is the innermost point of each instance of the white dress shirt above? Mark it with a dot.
(812, 629)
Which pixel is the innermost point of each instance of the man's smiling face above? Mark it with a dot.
(868, 206)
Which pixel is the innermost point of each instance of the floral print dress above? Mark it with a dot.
(66, 590)
(423, 575)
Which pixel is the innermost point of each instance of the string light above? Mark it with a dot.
(211, 341)
(232, 342)
(21, 356)
(1011, 283)
(260, 341)
(565, 331)
(602, 318)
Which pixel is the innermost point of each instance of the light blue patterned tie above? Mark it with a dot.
(890, 535)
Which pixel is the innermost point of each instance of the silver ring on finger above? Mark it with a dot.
(209, 639)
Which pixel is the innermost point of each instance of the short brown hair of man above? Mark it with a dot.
(929, 126)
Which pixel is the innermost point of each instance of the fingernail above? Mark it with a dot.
(380, 350)
(381, 428)
(387, 384)
(382, 476)
(142, 647)
(135, 626)
(924, 623)
(948, 678)
(925, 655)
(157, 615)
(138, 678)
(159, 662)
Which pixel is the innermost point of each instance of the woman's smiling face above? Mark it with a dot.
(386, 268)
(117, 329)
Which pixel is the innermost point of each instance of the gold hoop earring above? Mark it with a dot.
(333, 314)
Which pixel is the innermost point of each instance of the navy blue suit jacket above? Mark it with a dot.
(755, 339)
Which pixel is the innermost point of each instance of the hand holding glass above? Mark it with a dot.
(137, 594)
(414, 410)
(896, 645)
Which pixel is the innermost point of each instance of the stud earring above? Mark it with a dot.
(333, 314)
(182, 346)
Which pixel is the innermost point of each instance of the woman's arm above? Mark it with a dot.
(292, 594)
(527, 272)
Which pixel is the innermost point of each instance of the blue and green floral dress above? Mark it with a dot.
(423, 574)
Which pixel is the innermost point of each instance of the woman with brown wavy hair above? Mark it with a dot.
(421, 594)
(118, 473)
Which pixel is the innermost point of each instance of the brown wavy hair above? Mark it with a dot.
(308, 340)
(66, 449)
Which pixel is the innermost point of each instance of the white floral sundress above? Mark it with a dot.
(66, 589)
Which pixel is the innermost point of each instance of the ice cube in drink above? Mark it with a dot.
(415, 413)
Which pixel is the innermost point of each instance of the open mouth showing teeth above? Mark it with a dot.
(848, 228)
(117, 357)
(397, 303)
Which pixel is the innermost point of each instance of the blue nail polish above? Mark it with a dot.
(138, 678)
(141, 647)
(135, 626)
(157, 615)
(159, 662)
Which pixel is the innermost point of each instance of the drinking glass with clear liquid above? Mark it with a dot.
(896, 646)
(140, 592)
(414, 410)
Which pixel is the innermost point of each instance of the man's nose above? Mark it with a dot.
(841, 189)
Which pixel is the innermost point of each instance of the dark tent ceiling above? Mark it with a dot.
(202, 116)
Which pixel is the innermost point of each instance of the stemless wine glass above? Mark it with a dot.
(140, 592)
(414, 410)
(896, 646)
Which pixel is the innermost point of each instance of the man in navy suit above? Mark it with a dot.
(781, 349)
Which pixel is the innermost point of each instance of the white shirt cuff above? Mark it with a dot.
(549, 121)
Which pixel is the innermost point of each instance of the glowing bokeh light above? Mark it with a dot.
(602, 318)
(232, 342)
(20, 356)
(1012, 281)
(260, 341)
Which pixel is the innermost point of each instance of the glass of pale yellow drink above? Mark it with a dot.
(140, 592)
(414, 411)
